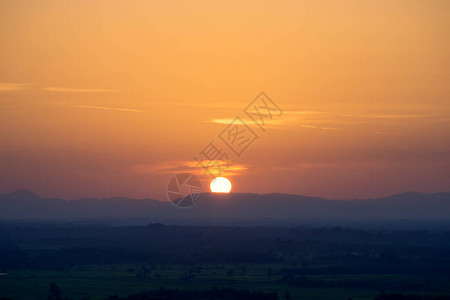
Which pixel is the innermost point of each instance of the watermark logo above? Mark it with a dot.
(213, 160)
(238, 136)
(184, 190)
(262, 109)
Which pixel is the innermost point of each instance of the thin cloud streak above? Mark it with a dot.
(188, 166)
(109, 108)
(385, 133)
(211, 105)
(324, 120)
(73, 90)
(10, 86)
(275, 123)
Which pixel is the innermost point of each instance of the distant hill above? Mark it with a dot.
(231, 209)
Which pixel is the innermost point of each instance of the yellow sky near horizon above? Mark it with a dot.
(106, 98)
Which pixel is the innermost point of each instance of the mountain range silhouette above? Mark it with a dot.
(231, 209)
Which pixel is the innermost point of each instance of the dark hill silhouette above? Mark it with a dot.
(231, 209)
(21, 195)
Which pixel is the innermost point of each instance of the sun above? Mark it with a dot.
(220, 185)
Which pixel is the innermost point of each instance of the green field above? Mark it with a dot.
(101, 281)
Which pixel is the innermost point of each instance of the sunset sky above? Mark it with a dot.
(112, 98)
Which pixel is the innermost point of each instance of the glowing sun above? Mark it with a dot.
(220, 185)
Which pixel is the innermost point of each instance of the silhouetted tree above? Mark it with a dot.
(54, 292)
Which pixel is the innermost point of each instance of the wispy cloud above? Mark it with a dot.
(228, 121)
(10, 86)
(387, 116)
(75, 90)
(306, 165)
(385, 133)
(269, 123)
(285, 121)
(330, 128)
(109, 108)
(206, 104)
(336, 120)
(319, 127)
(339, 116)
(188, 166)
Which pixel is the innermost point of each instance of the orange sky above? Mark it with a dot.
(111, 98)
